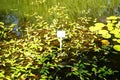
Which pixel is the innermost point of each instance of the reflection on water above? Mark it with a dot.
(11, 19)
(101, 7)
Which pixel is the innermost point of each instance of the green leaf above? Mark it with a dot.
(118, 40)
(92, 28)
(118, 25)
(110, 26)
(1, 23)
(94, 70)
(103, 32)
(101, 25)
(1, 26)
(106, 36)
(108, 21)
(117, 35)
(114, 21)
(112, 18)
(114, 39)
(98, 26)
(116, 47)
(2, 74)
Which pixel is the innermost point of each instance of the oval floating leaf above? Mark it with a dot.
(118, 40)
(118, 25)
(103, 32)
(117, 35)
(114, 21)
(112, 18)
(116, 47)
(114, 39)
(99, 25)
(110, 26)
(108, 21)
(107, 36)
(91, 28)
(115, 31)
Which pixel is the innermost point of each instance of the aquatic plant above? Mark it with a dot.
(75, 8)
(109, 31)
(37, 55)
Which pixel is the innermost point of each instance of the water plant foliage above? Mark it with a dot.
(90, 49)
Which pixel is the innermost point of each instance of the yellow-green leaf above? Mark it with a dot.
(114, 39)
(111, 18)
(118, 40)
(103, 32)
(114, 21)
(107, 36)
(115, 31)
(110, 26)
(116, 47)
(92, 28)
(108, 21)
(1, 23)
(117, 35)
(99, 25)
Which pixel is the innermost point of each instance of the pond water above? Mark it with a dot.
(11, 10)
(96, 7)
(9, 19)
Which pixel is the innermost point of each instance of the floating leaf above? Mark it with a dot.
(116, 47)
(107, 36)
(111, 18)
(108, 21)
(118, 25)
(97, 28)
(110, 26)
(103, 32)
(118, 40)
(115, 31)
(114, 21)
(92, 28)
(99, 25)
(117, 35)
(114, 39)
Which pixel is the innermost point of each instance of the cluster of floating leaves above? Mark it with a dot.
(111, 30)
(98, 29)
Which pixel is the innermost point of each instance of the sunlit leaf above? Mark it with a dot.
(117, 35)
(107, 36)
(118, 40)
(114, 21)
(115, 31)
(112, 18)
(100, 25)
(103, 32)
(1, 23)
(110, 26)
(116, 47)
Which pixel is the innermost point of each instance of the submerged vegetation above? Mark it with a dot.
(29, 47)
(75, 8)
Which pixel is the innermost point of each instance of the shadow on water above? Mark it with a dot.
(9, 19)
